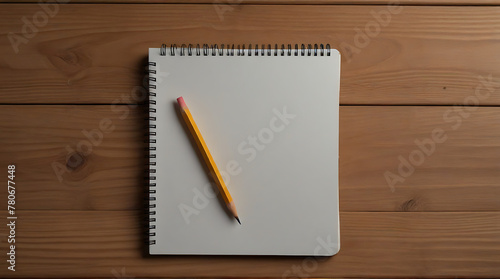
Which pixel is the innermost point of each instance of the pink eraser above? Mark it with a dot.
(181, 103)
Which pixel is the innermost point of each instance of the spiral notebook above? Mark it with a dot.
(270, 117)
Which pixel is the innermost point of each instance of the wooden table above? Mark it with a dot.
(80, 214)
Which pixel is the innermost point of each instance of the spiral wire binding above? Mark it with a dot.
(241, 50)
(152, 152)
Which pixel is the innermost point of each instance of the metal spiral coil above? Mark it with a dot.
(151, 155)
(241, 50)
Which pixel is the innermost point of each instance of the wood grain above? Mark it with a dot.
(77, 165)
(425, 55)
(457, 172)
(103, 244)
(285, 2)
(442, 220)
(461, 175)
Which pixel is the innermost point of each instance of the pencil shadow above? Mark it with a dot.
(210, 176)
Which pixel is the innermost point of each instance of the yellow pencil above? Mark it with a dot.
(214, 171)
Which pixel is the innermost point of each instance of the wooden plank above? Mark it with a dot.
(65, 160)
(454, 171)
(284, 2)
(425, 55)
(461, 175)
(410, 244)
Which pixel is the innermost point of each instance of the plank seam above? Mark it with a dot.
(261, 4)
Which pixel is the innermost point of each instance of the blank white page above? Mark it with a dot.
(271, 124)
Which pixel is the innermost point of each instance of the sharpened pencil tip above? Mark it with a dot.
(238, 219)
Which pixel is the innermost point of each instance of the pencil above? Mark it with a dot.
(207, 157)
